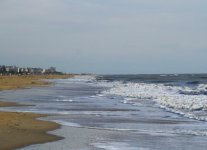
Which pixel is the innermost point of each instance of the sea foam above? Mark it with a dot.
(180, 99)
(115, 146)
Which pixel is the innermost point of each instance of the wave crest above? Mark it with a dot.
(183, 98)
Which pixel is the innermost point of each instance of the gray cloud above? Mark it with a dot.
(111, 36)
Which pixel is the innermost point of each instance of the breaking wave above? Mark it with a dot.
(185, 100)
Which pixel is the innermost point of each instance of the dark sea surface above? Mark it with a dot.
(132, 112)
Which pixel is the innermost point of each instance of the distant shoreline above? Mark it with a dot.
(22, 129)
(12, 82)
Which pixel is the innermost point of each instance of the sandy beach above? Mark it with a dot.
(26, 81)
(92, 119)
(22, 129)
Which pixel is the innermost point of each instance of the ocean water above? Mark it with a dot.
(185, 94)
(153, 112)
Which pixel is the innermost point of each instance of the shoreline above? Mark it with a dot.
(18, 129)
(15, 82)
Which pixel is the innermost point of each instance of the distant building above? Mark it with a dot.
(38, 70)
(12, 69)
(51, 70)
(2, 69)
(30, 70)
(23, 70)
(26, 71)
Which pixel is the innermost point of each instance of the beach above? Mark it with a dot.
(103, 75)
(13, 82)
(103, 113)
(21, 129)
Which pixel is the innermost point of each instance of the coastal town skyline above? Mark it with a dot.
(13, 70)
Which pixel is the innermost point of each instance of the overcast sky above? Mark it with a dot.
(105, 36)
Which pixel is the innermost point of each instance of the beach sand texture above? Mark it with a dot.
(23, 129)
(26, 81)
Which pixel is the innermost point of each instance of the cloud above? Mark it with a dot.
(108, 34)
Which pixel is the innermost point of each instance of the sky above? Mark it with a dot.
(105, 36)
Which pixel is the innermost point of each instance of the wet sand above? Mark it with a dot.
(10, 104)
(83, 138)
(75, 139)
(23, 129)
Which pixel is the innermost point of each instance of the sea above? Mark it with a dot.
(132, 112)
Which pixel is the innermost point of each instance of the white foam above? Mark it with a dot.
(152, 132)
(83, 78)
(165, 96)
(64, 100)
(100, 95)
(116, 146)
(66, 123)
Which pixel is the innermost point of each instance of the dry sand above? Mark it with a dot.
(26, 81)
